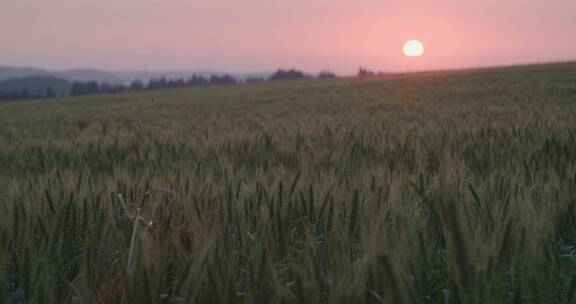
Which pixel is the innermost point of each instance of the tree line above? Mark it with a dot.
(78, 88)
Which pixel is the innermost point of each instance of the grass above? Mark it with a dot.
(452, 187)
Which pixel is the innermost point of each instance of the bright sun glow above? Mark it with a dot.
(413, 48)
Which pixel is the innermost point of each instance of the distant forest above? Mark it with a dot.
(39, 87)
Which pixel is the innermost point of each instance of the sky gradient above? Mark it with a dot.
(261, 35)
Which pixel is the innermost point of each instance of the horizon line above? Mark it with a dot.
(221, 71)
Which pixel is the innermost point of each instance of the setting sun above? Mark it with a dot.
(413, 48)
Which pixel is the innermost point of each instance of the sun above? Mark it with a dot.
(413, 48)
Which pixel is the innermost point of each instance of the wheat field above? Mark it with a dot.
(444, 187)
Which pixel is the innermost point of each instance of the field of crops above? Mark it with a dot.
(453, 187)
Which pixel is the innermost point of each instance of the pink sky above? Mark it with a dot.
(261, 35)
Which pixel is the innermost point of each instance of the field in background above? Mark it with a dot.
(454, 187)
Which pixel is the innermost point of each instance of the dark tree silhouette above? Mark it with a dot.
(196, 80)
(20, 95)
(136, 85)
(85, 88)
(50, 93)
(326, 74)
(221, 80)
(291, 74)
(157, 83)
(362, 72)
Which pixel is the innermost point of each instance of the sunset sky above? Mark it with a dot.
(261, 35)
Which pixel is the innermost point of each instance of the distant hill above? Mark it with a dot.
(35, 86)
(85, 75)
(13, 72)
(70, 75)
